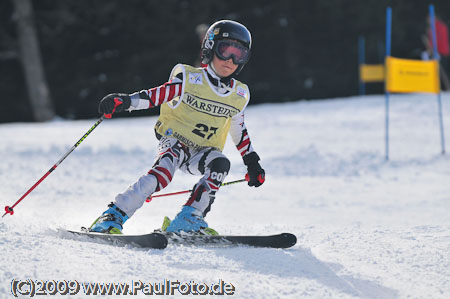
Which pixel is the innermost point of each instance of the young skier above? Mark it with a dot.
(199, 106)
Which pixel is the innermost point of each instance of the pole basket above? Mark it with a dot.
(8, 210)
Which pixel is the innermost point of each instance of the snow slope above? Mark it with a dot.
(366, 228)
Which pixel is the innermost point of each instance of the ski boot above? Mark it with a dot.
(188, 220)
(110, 222)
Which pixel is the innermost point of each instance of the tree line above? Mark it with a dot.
(59, 58)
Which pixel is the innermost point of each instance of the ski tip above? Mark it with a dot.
(289, 240)
(163, 242)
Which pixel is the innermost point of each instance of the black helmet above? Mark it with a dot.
(226, 29)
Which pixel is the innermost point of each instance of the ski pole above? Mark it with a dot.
(149, 199)
(10, 210)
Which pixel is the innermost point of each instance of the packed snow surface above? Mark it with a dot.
(366, 227)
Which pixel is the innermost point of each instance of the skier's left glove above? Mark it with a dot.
(113, 103)
(255, 174)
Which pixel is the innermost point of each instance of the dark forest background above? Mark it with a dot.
(305, 49)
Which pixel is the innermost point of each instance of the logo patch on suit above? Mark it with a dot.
(241, 92)
(195, 78)
(169, 132)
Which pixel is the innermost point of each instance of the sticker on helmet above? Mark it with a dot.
(216, 31)
(209, 44)
(225, 34)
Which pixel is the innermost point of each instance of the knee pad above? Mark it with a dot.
(203, 194)
(219, 168)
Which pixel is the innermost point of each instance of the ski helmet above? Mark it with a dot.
(226, 29)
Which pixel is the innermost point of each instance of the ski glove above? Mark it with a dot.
(113, 103)
(255, 174)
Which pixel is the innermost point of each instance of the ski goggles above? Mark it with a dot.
(227, 49)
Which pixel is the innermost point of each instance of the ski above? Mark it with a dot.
(151, 240)
(284, 240)
(159, 240)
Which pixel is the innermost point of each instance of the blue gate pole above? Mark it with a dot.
(361, 61)
(388, 53)
(435, 56)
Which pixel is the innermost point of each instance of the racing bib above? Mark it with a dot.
(200, 117)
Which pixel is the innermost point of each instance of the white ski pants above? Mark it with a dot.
(173, 155)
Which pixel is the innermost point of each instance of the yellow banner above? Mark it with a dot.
(371, 72)
(407, 75)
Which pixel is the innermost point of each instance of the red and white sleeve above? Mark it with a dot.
(239, 134)
(149, 98)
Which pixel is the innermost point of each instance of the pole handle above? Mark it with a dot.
(261, 178)
(117, 102)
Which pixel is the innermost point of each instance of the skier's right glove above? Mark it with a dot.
(113, 103)
(255, 174)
